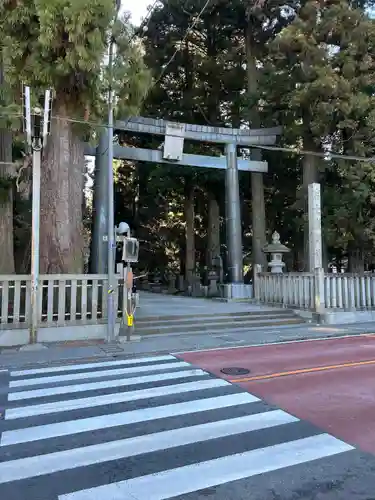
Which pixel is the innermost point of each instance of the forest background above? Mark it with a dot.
(308, 66)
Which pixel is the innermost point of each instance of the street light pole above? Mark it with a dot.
(111, 202)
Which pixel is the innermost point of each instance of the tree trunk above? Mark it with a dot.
(257, 187)
(356, 259)
(62, 183)
(22, 256)
(213, 232)
(189, 235)
(6, 197)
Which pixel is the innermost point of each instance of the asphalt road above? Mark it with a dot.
(158, 428)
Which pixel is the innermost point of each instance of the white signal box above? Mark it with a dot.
(130, 250)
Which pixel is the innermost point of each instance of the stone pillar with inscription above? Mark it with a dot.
(315, 244)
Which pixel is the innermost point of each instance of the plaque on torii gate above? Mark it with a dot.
(172, 154)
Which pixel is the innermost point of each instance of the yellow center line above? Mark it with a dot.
(303, 370)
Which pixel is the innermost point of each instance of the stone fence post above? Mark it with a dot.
(319, 299)
(256, 282)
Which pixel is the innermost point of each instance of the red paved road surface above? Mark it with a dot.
(340, 400)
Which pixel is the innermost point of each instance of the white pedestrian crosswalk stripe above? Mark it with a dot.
(67, 428)
(168, 428)
(74, 404)
(103, 364)
(87, 375)
(175, 482)
(51, 391)
(53, 462)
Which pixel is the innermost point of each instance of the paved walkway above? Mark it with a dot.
(153, 304)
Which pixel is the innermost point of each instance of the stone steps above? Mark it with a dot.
(226, 316)
(212, 323)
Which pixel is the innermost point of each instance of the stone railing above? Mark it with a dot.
(82, 299)
(349, 291)
(64, 299)
(301, 290)
(286, 289)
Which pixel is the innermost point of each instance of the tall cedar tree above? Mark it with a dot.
(61, 44)
(320, 78)
(6, 186)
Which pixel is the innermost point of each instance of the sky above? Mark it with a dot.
(137, 8)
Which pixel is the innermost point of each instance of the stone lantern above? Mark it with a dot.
(276, 250)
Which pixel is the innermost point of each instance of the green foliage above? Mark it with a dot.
(62, 44)
(316, 69)
(316, 78)
(203, 84)
(319, 80)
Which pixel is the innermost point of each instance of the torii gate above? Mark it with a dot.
(172, 153)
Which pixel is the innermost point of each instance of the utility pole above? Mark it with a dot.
(111, 202)
(35, 234)
(99, 237)
(37, 128)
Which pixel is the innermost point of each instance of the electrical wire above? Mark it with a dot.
(327, 155)
(302, 152)
(188, 31)
(299, 151)
(145, 21)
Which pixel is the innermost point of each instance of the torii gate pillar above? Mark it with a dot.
(233, 216)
